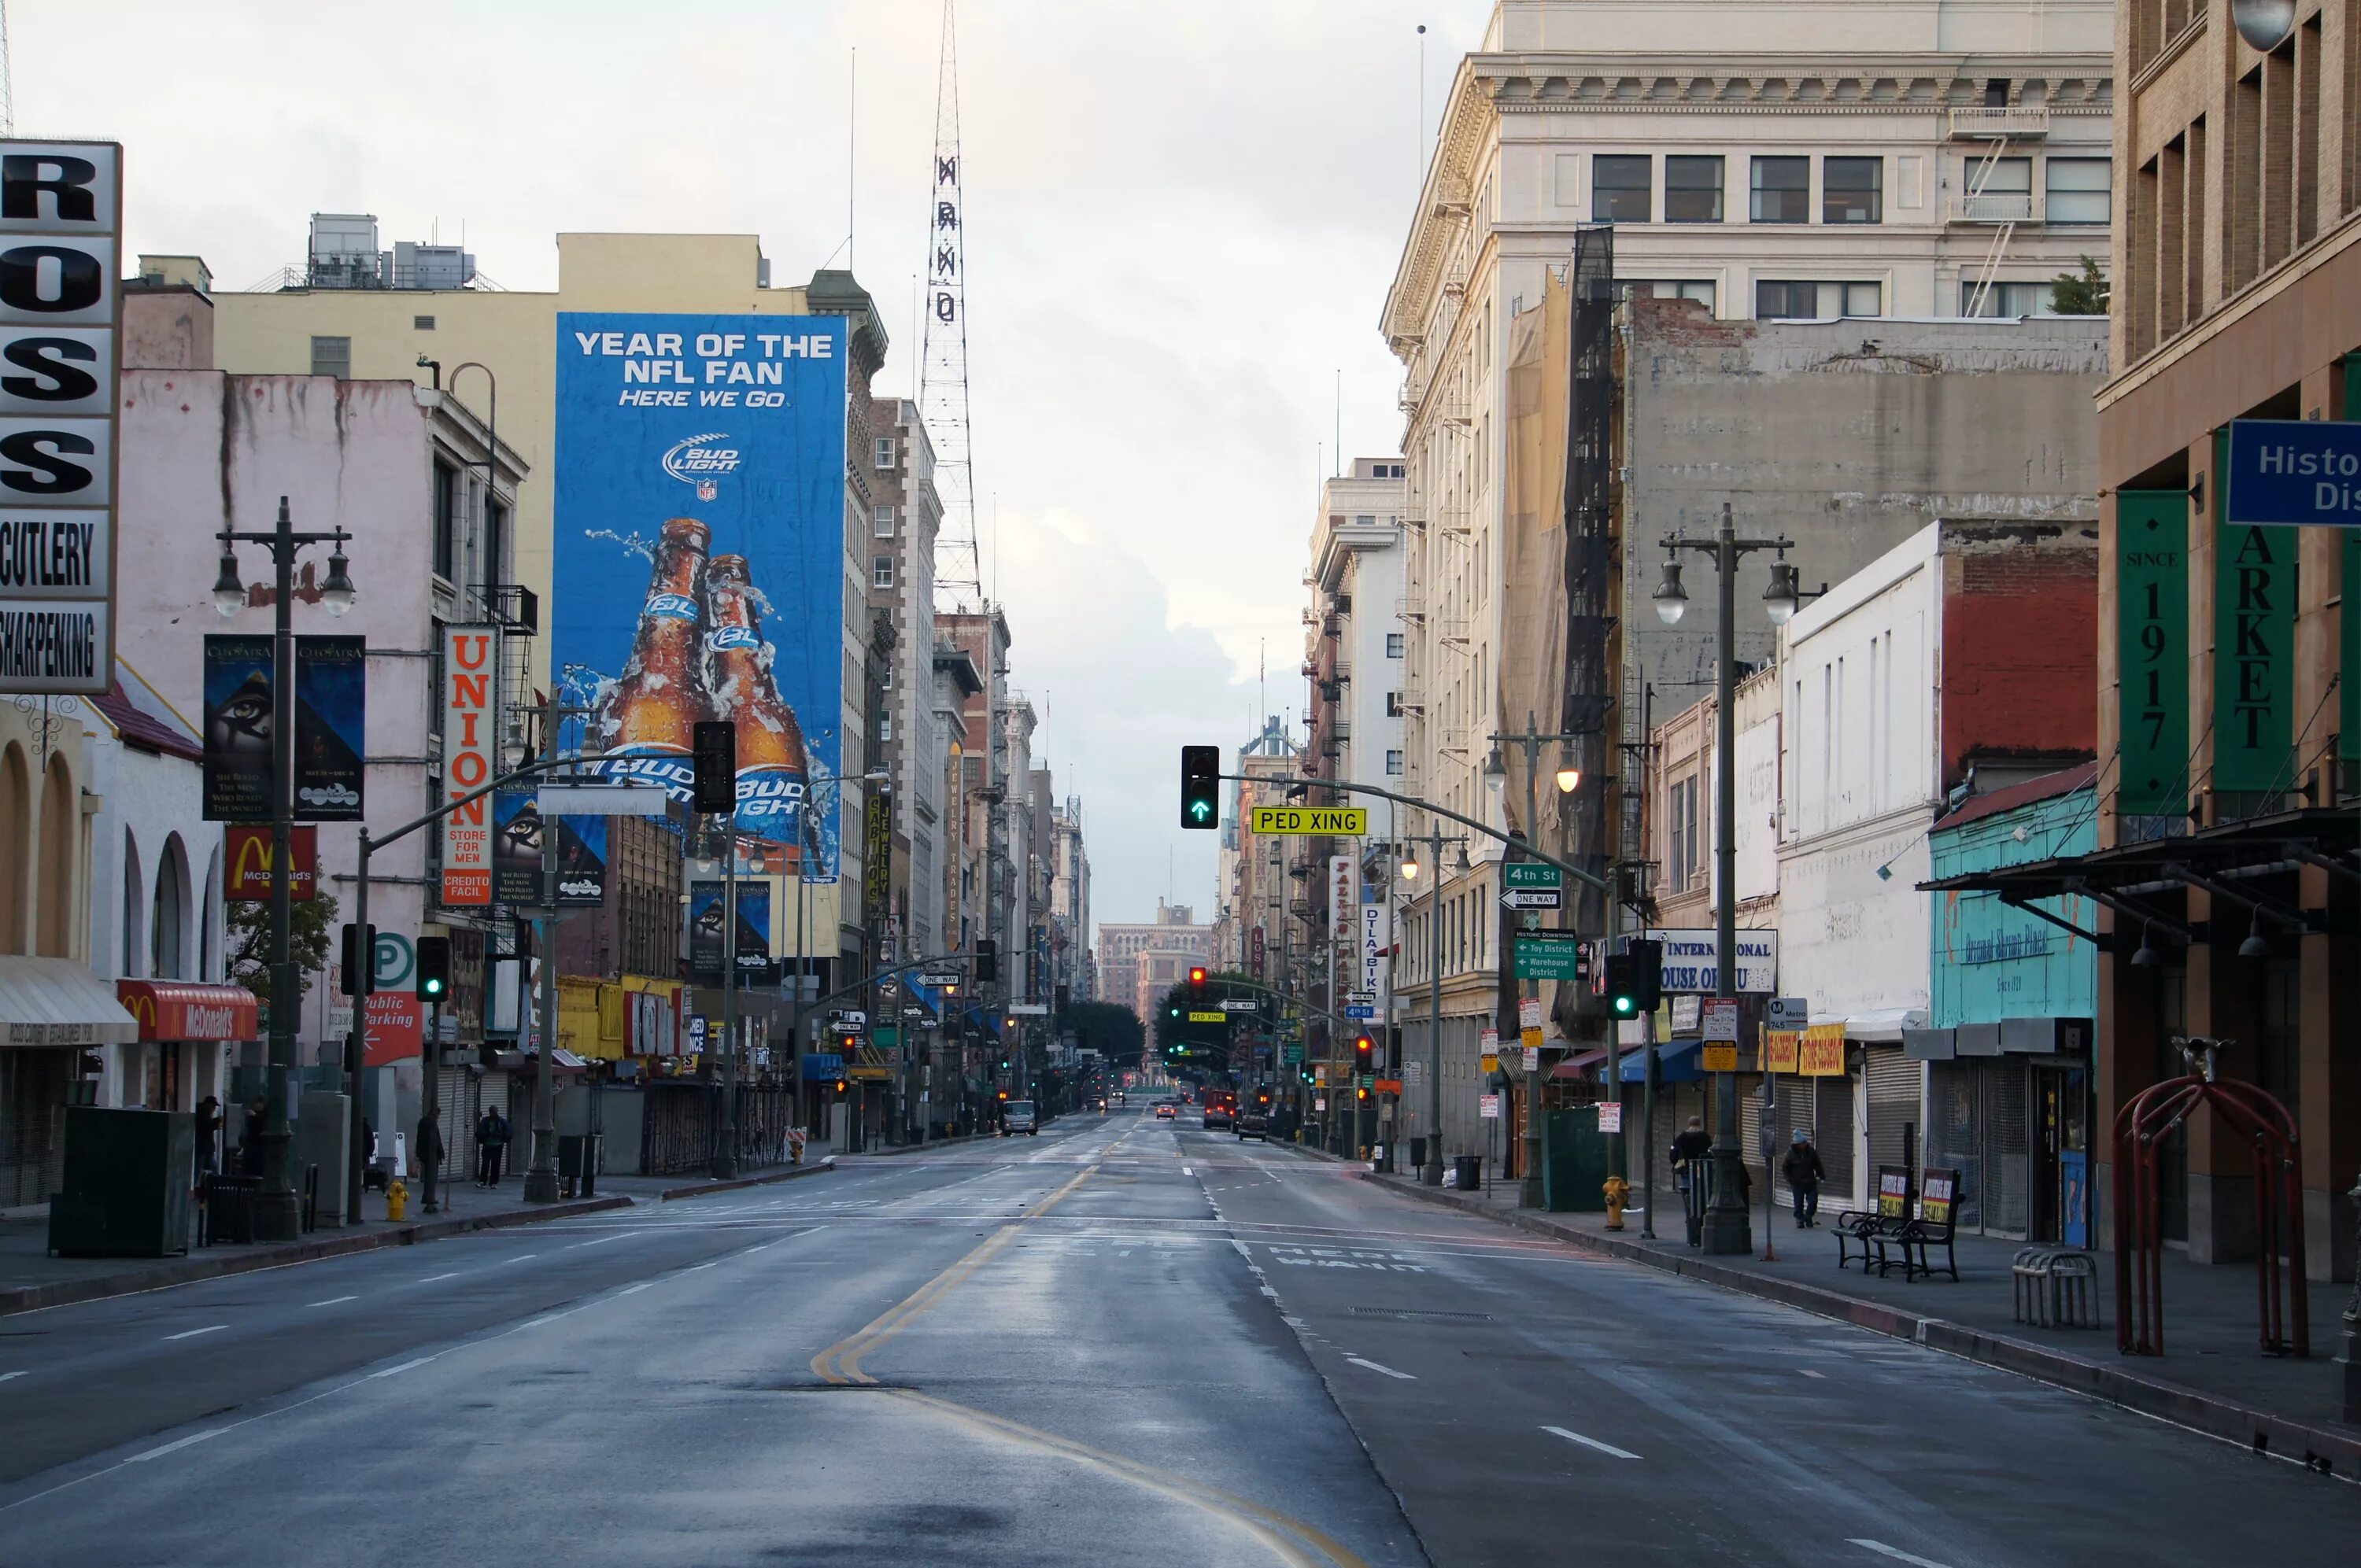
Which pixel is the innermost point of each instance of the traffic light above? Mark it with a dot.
(840, 1086)
(434, 967)
(1361, 1094)
(360, 978)
(987, 959)
(1647, 956)
(1623, 992)
(713, 785)
(1364, 1054)
(1197, 978)
(1201, 787)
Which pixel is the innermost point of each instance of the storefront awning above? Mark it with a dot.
(184, 1010)
(1883, 1025)
(1676, 1062)
(1575, 1067)
(57, 1002)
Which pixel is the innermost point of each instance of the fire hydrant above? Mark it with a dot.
(1619, 1192)
(397, 1200)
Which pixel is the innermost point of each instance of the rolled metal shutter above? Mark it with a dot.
(2007, 1145)
(1955, 1129)
(1893, 1081)
(1832, 1130)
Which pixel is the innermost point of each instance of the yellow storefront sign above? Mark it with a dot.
(1820, 1052)
(1304, 821)
(1779, 1046)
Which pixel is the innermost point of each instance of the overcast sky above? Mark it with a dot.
(1181, 221)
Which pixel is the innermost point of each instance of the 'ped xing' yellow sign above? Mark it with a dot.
(1306, 821)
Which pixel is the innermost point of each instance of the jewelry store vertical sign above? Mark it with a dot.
(60, 323)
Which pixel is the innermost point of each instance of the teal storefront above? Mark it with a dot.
(2010, 1093)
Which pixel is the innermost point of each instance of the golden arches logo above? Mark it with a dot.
(142, 1008)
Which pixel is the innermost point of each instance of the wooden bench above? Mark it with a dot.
(1859, 1229)
(1932, 1227)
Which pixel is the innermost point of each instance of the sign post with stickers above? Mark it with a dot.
(61, 326)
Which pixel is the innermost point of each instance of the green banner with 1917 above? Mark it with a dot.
(2152, 648)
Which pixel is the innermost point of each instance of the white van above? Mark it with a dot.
(1016, 1116)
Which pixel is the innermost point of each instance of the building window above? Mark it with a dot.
(332, 356)
(1699, 289)
(1619, 188)
(884, 454)
(423, 323)
(1782, 191)
(1394, 644)
(1364, 519)
(1813, 300)
(1393, 705)
(446, 519)
(880, 572)
(1852, 191)
(882, 524)
(1999, 191)
(495, 542)
(1394, 763)
(2076, 191)
(1693, 189)
(2005, 300)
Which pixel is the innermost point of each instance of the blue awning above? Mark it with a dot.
(1676, 1062)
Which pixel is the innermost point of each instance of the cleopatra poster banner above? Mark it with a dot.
(700, 569)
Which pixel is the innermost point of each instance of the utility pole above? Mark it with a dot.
(725, 1147)
(1728, 1225)
(1430, 1173)
(541, 1177)
(1496, 775)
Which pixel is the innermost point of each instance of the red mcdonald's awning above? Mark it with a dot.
(184, 1010)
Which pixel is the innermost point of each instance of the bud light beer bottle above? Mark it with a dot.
(661, 696)
(772, 767)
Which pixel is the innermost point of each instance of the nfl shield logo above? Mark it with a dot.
(706, 489)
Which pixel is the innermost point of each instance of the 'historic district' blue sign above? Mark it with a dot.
(2306, 472)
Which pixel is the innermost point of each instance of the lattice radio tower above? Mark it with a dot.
(943, 366)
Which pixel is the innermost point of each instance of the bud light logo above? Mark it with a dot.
(671, 606)
(697, 464)
(733, 637)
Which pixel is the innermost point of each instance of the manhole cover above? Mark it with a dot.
(1410, 1315)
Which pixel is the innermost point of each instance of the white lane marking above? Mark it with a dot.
(335, 1300)
(1607, 1448)
(1809, 1372)
(1893, 1552)
(538, 1322)
(192, 1438)
(522, 1258)
(694, 1267)
(434, 1278)
(404, 1368)
(6, 1376)
(191, 1333)
(1361, 1360)
(1186, 1171)
(602, 1241)
(635, 1290)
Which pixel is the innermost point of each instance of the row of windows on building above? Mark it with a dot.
(1823, 299)
(1851, 190)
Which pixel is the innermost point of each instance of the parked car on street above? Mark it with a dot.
(1254, 1124)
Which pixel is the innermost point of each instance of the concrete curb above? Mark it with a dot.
(922, 1148)
(2329, 1452)
(793, 1173)
(188, 1270)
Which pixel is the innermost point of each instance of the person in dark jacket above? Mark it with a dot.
(209, 1131)
(1803, 1173)
(1691, 1145)
(491, 1146)
(249, 1148)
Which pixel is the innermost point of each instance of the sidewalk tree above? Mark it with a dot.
(2083, 293)
(1114, 1032)
(248, 930)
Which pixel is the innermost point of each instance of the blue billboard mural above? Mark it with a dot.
(700, 544)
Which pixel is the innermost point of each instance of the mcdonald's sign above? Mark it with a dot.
(247, 852)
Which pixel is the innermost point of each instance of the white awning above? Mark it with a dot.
(57, 1002)
(1883, 1025)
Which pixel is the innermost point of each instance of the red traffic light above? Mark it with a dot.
(1004, 1094)
(1197, 976)
(1360, 1094)
(1364, 1047)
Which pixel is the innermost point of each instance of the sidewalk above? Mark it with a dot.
(31, 1279)
(2212, 1377)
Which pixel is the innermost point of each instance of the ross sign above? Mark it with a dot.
(1793, 1013)
(700, 555)
(1689, 960)
(247, 851)
(1719, 1058)
(1487, 1106)
(1819, 1053)
(1531, 874)
(331, 727)
(1239, 1005)
(1540, 955)
(1719, 1019)
(470, 744)
(1204, 1018)
(1305, 821)
(1389, 1086)
(1610, 1115)
(2152, 648)
(60, 327)
(1531, 898)
(237, 715)
(2305, 471)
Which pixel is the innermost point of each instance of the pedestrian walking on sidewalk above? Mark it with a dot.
(492, 1146)
(1803, 1171)
(1690, 1169)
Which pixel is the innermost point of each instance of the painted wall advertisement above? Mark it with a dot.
(331, 728)
(700, 555)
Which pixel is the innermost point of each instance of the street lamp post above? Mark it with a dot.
(1496, 778)
(1728, 1225)
(1430, 1172)
(278, 1211)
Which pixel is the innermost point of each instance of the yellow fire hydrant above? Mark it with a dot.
(397, 1200)
(1619, 1192)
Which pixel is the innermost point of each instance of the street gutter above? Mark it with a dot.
(793, 1173)
(2263, 1433)
(188, 1270)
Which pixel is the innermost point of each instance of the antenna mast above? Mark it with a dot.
(942, 365)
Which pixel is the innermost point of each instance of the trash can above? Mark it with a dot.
(571, 1147)
(1418, 1153)
(1468, 1171)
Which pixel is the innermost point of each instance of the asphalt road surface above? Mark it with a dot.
(1123, 1341)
